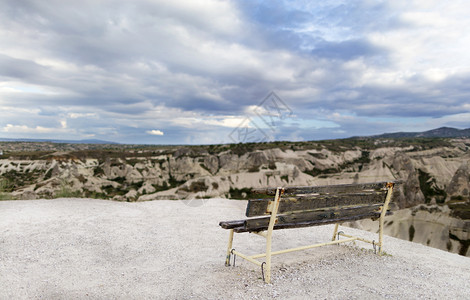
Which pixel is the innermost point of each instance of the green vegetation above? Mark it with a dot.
(159, 188)
(241, 193)
(26, 155)
(118, 155)
(195, 187)
(246, 193)
(323, 173)
(457, 198)
(4, 187)
(359, 162)
(464, 244)
(46, 150)
(318, 155)
(110, 191)
(48, 174)
(121, 189)
(66, 191)
(97, 171)
(174, 183)
(430, 189)
(94, 195)
(460, 209)
(81, 178)
(119, 180)
(17, 179)
(133, 161)
(202, 165)
(411, 232)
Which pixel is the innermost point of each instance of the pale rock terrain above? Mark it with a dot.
(428, 225)
(460, 183)
(171, 175)
(437, 175)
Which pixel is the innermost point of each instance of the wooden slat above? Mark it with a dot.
(312, 223)
(328, 189)
(299, 217)
(232, 224)
(311, 202)
(312, 206)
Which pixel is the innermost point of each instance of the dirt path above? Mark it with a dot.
(97, 249)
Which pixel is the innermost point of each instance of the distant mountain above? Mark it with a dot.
(443, 132)
(91, 141)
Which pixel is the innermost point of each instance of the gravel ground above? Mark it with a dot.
(97, 249)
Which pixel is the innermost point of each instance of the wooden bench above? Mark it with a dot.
(294, 207)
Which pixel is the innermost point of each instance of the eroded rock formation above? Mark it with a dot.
(437, 175)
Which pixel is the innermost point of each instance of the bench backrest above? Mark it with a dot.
(316, 203)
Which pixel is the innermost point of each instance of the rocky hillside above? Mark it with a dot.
(442, 132)
(435, 171)
(436, 226)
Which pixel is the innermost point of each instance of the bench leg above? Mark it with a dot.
(335, 232)
(229, 248)
(269, 234)
(381, 234)
(267, 273)
(382, 216)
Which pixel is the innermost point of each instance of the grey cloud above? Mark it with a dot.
(348, 50)
(123, 59)
(19, 68)
(358, 17)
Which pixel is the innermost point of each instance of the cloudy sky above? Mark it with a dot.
(198, 72)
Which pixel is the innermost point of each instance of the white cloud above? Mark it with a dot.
(200, 68)
(223, 121)
(230, 122)
(155, 132)
(33, 130)
(81, 115)
(434, 42)
(17, 87)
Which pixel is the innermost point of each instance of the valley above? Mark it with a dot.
(436, 172)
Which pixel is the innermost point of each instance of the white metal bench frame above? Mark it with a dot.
(273, 209)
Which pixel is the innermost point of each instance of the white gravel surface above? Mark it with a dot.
(97, 249)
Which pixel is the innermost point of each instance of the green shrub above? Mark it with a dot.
(66, 191)
(195, 186)
(316, 172)
(429, 188)
(16, 179)
(411, 232)
(5, 196)
(159, 188)
(94, 195)
(98, 171)
(48, 174)
(240, 193)
(4, 185)
(174, 183)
